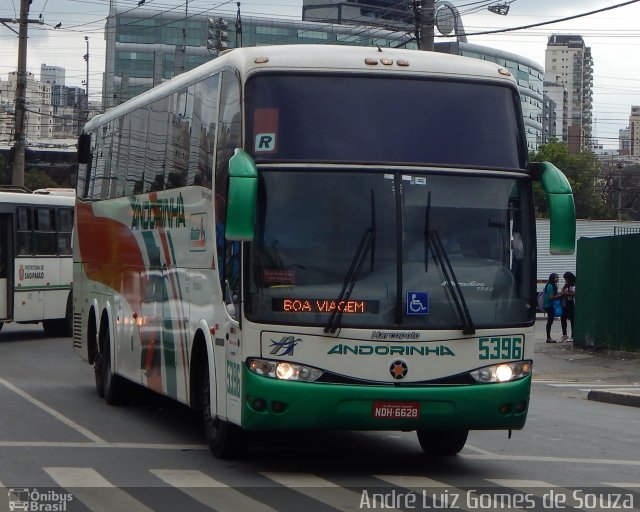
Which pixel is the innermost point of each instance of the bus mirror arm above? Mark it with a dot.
(242, 197)
(562, 211)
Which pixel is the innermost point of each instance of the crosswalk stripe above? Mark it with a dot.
(411, 482)
(321, 490)
(210, 492)
(94, 491)
(520, 484)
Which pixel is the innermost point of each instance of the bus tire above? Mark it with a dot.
(442, 442)
(110, 386)
(226, 441)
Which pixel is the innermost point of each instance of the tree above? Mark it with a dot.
(582, 171)
(620, 187)
(38, 179)
(5, 175)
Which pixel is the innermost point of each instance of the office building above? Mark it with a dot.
(568, 63)
(52, 75)
(145, 47)
(634, 131)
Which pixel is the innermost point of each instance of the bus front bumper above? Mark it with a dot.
(271, 404)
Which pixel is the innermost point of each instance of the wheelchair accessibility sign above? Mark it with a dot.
(417, 303)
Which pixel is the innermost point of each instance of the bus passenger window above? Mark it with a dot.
(64, 225)
(23, 232)
(44, 231)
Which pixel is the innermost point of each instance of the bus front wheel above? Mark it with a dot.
(442, 442)
(226, 441)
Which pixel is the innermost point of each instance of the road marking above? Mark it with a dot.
(540, 458)
(60, 417)
(102, 445)
(210, 492)
(520, 484)
(321, 490)
(623, 485)
(94, 491)
(572, 384)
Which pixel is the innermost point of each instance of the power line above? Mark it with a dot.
(543, 23)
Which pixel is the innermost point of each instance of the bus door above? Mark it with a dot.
(6, 265)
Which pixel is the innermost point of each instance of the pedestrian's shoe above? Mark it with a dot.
(551, 341)
(564, 337)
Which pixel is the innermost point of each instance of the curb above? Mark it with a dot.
(617, 398)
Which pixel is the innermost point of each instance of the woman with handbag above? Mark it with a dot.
(550, 295)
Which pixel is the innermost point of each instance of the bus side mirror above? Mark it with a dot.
(242, 197)
(562, 210)
(84, 148)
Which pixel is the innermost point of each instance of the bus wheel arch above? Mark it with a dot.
(225, 440)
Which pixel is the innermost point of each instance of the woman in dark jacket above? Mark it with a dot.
(550, 294)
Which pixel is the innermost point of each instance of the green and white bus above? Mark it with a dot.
(36, 261)
(317, 237)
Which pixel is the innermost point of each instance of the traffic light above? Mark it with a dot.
(217, 34)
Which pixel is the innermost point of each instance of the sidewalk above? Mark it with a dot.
(564, 362)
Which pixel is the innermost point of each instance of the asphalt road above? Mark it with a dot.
(57, 436)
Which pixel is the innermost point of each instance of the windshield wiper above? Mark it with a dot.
(367, 244)
(452, 283)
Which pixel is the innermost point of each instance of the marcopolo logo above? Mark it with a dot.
(285, 346)
(34, 500)
(395, 335)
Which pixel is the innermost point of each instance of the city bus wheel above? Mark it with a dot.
(442, 442)
(226, 441)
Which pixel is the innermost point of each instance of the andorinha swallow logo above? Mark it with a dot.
(285, 346)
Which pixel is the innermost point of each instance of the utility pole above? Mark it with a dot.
(86, 58)
(21, 90)
(427, 22)
(21, 98)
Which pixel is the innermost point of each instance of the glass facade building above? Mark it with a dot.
(146, 47)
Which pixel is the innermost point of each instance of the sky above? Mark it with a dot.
(613, 35)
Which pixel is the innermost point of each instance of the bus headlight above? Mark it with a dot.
(503, 372)
(284, 370)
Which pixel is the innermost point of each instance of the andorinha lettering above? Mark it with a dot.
(304, 305)
(391, 350)
(167, 212)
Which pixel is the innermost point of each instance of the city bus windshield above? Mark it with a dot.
(320, 118)
(389, 249)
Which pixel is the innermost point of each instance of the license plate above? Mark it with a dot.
(395, 410)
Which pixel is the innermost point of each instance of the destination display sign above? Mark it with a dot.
(308, 305)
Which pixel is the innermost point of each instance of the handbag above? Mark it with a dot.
(557, 307)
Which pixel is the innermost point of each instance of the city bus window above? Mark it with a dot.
(23, 231)
(44, 231)
(64, 225)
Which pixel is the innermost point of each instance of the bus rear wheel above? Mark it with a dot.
(442, 442)
(226, 441)
(108, 384)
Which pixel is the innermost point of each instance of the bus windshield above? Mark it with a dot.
(390, 249)
(309, 118)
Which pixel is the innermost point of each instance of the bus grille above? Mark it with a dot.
(77, 330)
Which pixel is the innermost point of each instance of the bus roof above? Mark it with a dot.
(36, 199)
(309, 58)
